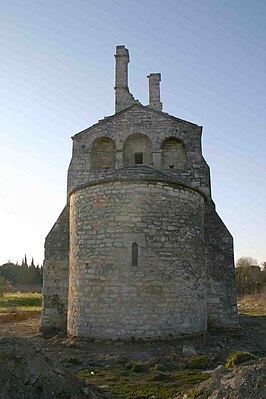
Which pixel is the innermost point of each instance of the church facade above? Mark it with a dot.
(139, 249)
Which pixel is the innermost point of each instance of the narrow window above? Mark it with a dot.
(171, 166)
(134, 254)
(138, 158)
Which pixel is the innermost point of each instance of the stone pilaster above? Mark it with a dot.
(156, 158)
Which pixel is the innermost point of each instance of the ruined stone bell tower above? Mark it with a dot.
(139, 250)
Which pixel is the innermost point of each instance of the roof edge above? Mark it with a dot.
(146, 107)
(109, 179)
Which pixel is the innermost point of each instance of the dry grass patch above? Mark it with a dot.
(19, 306)
(252, 305)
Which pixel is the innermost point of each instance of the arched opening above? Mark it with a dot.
(103, 154)
(137, 150)
(173, 154)
(134, 254)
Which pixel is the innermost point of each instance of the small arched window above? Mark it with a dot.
(137, 150)
(134, 254)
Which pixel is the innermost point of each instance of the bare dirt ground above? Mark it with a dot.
(80, 354)
(250, 337)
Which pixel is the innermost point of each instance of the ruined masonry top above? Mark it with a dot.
(123, 97)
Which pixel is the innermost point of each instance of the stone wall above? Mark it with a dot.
(137, 144)
(55, 276)
(156, 127)
(164, 294)
(103, 154)
(173, 154)
(154, 91)
(123, 97)
(221, 287)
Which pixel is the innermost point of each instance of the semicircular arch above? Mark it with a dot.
(173, 153)
(137, 150)
(102, 153)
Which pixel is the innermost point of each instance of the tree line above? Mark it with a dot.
(250, 277)
(22, 274)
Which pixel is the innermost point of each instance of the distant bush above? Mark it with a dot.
(5, 286)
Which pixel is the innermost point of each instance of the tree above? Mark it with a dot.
(22, 274)
(249, 277)
(5, 286)
(10, 272)
(246, 261)
(249, 280)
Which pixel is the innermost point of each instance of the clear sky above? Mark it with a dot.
(57, 78)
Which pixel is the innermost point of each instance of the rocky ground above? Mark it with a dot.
(27, 373)
(247, 381)
(73, 354)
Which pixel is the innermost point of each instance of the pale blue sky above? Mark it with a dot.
(57, 78)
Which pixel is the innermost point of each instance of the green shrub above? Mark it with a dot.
(160, 367)
(195, 393)
(159, 376)
(236, 358)
(198, 362)
(123, 360)
(152, 362)
(138, 367)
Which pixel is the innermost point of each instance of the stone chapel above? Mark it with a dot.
(139, 249)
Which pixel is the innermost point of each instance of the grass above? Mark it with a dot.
(252, 305)
(237, 358)
(164, 379)
(19, 306)
(141, 381)
(200, 362)
(195, 393)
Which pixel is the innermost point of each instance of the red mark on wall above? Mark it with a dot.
(99, 200)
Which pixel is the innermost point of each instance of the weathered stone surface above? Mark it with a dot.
(221, 291)
(55, 276)
(155, 297)
(123, 97)
(27, 373)
(244, 382)
(139, 250)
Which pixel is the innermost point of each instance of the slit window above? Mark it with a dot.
(138, 158)
(134, 254)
